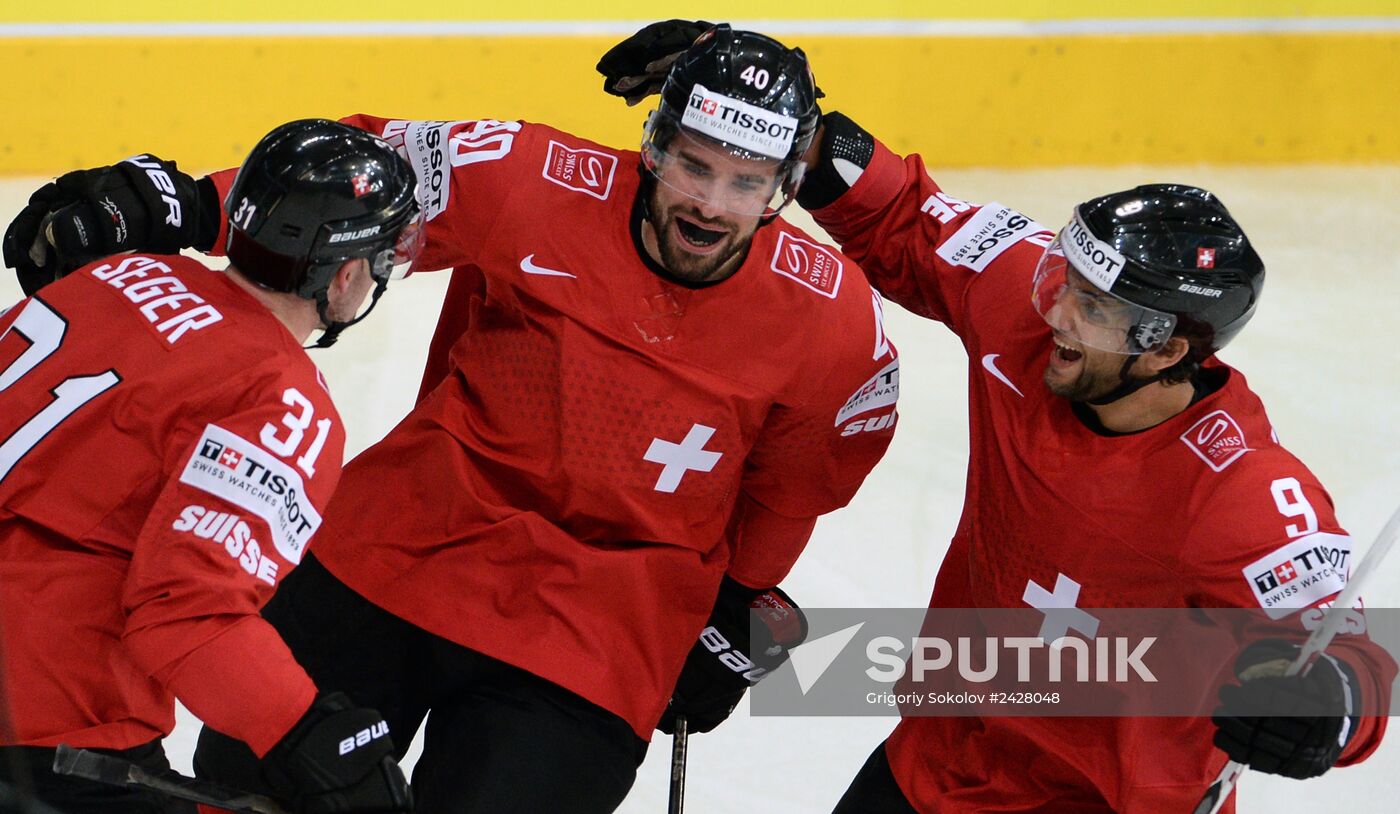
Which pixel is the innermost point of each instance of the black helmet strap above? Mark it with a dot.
(1126, 386)
(333, 329)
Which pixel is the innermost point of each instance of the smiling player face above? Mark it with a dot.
(706, 206)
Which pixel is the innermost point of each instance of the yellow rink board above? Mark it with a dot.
(714, 10)
(960, 100)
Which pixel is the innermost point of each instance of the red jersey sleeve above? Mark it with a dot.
(240, 503)
(1270, 539)
(811, 458)
(921, 247)
(464, 168)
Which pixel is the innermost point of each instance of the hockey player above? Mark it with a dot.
(643, 389)
(169, 451)
(1094, 385)
(1114, 458)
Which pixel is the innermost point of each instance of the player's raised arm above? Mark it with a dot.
(465, 172)
(918, 245)
(147, 204)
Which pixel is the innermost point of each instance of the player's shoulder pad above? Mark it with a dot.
(580, 166)
(1231, 433)
(1266, 513)
(825, 296)
(802, 264)
(172, 294)
(984, 235)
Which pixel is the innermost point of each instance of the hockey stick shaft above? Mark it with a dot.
(115, 771)
(1332, 620)
(678, 749)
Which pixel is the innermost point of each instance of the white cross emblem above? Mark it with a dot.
(677, 459)
(1059, 609)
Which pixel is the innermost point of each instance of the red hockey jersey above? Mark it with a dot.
(1203, 510)
(588, 431)
(168, 450)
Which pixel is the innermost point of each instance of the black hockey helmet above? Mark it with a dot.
(313, 194)
(742, 94)
(1172, 258)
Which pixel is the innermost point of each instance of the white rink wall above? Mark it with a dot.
(1321, 352)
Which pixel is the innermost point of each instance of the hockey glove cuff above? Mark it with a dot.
(1295, 726)
(338, 759)
(725, 662)
(846, 150)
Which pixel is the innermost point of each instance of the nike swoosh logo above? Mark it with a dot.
(527, 265)
(990, 363)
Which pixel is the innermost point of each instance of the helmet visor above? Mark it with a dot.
(1072, 303)
(717, 174)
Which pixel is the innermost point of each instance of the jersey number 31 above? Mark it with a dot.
(45, 329)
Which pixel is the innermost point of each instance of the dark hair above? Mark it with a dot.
(1199, 337)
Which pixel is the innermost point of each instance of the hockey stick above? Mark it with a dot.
(1321, 637)
(678, 747)
(115, 771)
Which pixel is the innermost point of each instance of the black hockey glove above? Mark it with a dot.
(637, 67)
(723, 664)
(338, 759)
(846, 150)
(1295, 726)
(142, 204)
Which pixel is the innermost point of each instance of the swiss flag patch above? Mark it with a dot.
(361, 184)
(581, 169)
(1205, 258)
(1217, 439)
(810, 264)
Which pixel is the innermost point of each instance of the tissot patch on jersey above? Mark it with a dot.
(424, 144)
(582, 170)
(993, 230)
(881, 391)
(253, 479)
(1301, 573)
(1217, 439)
(810, 264)
(433, 149)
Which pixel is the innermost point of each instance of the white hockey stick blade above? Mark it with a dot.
(1216, 795)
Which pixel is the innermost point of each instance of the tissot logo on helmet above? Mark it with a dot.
(739, 123)
(744, 95)
(1095, 260)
